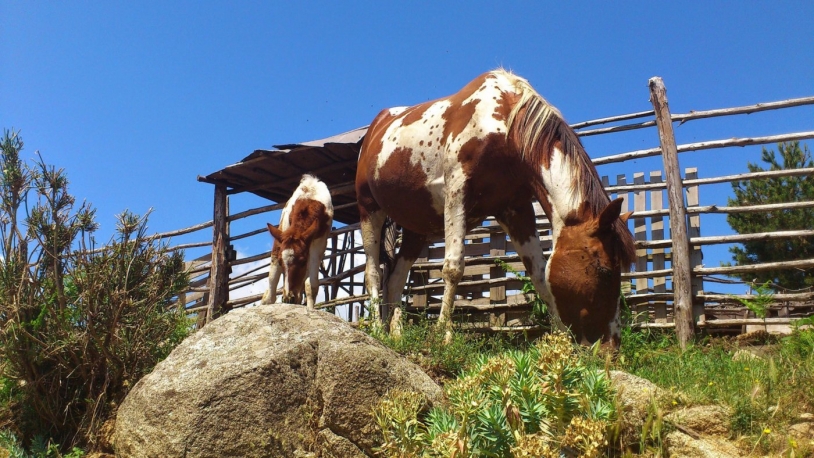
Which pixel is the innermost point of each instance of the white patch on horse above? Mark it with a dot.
(395, 111)
(417, 138)
(562, 195)
(287, 257)
(615, 326)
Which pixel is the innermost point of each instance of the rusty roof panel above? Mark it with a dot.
(275, 174)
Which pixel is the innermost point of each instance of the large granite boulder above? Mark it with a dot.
(272, 380)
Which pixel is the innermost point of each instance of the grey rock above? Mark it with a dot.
(272, 380)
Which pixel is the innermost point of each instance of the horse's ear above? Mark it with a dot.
(625, 216)
(610, 214)
(311, 230)
(275, 232)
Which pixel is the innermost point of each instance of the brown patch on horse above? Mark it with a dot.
(494, 176)
(402, 193)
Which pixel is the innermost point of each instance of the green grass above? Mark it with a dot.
(765, 394)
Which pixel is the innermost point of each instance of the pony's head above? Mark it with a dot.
(292, 249)
(584, 272)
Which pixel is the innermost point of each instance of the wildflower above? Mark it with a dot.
(746, 369)
(767, 431)
(711, 383)
(675, 403)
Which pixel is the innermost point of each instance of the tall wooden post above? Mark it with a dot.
(682, 300)
(219, 273)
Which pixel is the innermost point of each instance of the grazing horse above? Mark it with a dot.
(299, 242)
(441, 167)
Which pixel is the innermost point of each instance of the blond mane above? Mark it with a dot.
(538, 126)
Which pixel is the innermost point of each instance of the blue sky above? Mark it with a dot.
(136, 99)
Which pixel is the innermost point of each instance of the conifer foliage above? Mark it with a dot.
(777, 190)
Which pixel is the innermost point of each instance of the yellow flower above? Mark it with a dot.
(767, 431)
(675, 403)
(711, 383)
(746, 368)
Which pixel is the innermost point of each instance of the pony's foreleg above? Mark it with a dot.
(521, 226)
(453, 270)
(371, 226)
(411, 246)
(275, 270)
(315, 255)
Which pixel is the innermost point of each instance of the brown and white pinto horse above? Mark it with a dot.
(299, 242)
(442, 166)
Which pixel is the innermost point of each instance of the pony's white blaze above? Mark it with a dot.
(305, 224)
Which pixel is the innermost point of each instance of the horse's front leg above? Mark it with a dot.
(275, 269)
(315, 255)
(453, 270)
(520, 223)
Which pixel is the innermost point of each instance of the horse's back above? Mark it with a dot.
(413, 159)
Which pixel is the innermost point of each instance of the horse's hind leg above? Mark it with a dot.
(520, 223)
(411, 246)
(371, 225)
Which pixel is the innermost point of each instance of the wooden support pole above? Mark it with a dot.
(682, 303)
(219, 274)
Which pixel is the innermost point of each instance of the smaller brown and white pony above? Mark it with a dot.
(299, 242)
(441, 167)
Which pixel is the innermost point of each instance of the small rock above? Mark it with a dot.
(802, 431)
(681, 445)
(706, 420)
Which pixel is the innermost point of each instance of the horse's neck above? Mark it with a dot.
(558, 182)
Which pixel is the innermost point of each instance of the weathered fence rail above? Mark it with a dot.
(661, 201)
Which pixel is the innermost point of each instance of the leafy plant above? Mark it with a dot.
(538, 402)
(759, 305)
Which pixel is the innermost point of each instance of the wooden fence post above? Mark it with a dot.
(682, 301)
(219, 275)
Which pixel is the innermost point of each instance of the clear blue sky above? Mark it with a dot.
(136, 99)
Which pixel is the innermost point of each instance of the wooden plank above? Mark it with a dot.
(640, 233)
(696, 256)
(419, 279)
(657, 232)
(682, 304)
(497, 293)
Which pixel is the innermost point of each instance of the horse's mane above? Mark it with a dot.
(538, 126)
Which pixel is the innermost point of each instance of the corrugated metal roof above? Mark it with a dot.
(275, 174)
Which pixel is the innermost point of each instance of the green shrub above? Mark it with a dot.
(78, 327)
(537, 402)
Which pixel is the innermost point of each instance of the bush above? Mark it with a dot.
(541, 402)
(78, 326)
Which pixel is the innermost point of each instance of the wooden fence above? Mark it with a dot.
(666, 289)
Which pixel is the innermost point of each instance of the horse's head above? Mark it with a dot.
(585, 272)
(293, 254)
